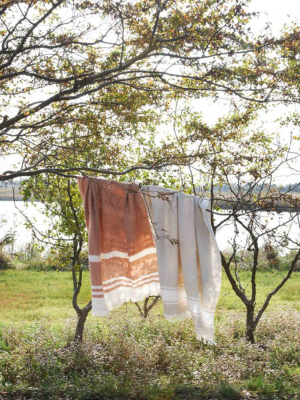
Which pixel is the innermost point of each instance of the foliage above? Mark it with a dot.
(66, 232)
(66, 235)
(64, 263)
(51, 261)
(48, 261)
(53, 193)
(278, 262)
(6, 240)
(287, 259)
(5, 260)
(247, 159)
(152, 359)
(108, 72)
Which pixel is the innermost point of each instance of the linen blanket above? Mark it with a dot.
(188, 257)
(122, 253)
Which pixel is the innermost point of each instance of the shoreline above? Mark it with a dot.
(10, 199)
(277, 209)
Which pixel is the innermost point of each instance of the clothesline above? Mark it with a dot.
(140, 185)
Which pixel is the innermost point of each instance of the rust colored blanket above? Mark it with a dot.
(122, 253)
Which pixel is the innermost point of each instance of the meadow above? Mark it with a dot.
(125, 356)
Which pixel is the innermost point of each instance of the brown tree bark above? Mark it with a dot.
(144, 312)
(82, 315)
(250, 324)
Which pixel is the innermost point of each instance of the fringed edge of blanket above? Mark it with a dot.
(116, 298)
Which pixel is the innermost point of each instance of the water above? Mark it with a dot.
(12, 220)
(15, 222)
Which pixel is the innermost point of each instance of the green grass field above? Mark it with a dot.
(124, 356)
(28, 296)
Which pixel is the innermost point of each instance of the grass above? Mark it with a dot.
(27, 296)
(124, 356)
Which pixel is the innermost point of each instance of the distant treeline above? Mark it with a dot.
(7, 194)
(291, 188)
(10, 184)
(224, 194)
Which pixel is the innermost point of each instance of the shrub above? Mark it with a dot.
(269, 259)
(5, 261)
(285, 261)
(124, 356)
(35, 258)
(39, 263)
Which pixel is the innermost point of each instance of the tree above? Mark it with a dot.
(106, 70)
(239, 175)
(247, 201)
(69, 61)
(144, 312)
(66, 236)
(233, 152)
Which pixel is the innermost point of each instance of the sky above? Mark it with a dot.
(278, 12)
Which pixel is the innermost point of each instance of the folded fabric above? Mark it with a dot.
(122, 253)
(188, 257)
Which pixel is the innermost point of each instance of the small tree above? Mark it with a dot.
(239, 172)
(244, 185)
(244, 213)
(144, 311)
(66, 234)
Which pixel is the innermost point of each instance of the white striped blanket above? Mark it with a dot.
(188, 257)
(122, 252)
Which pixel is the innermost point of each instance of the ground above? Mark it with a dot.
(124, 356)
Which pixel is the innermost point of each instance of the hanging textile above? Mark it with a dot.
(188, 257)
(122, 253)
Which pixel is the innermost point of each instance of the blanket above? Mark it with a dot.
(122, 253)
(188, 257)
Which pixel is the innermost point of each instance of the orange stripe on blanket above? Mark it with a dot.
(134, 284)
(156, 280)
(95, 274)
(121, 279)
(118, 224)
(117, 267)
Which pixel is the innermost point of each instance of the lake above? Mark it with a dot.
(15, 221)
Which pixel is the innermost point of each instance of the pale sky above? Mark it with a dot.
(278, 12)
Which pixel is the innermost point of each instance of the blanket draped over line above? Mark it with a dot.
(122, 253)
(188, 257)
(183, 264)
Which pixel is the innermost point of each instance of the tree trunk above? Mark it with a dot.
(146, 309)
(250, 324)
(82, 315)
